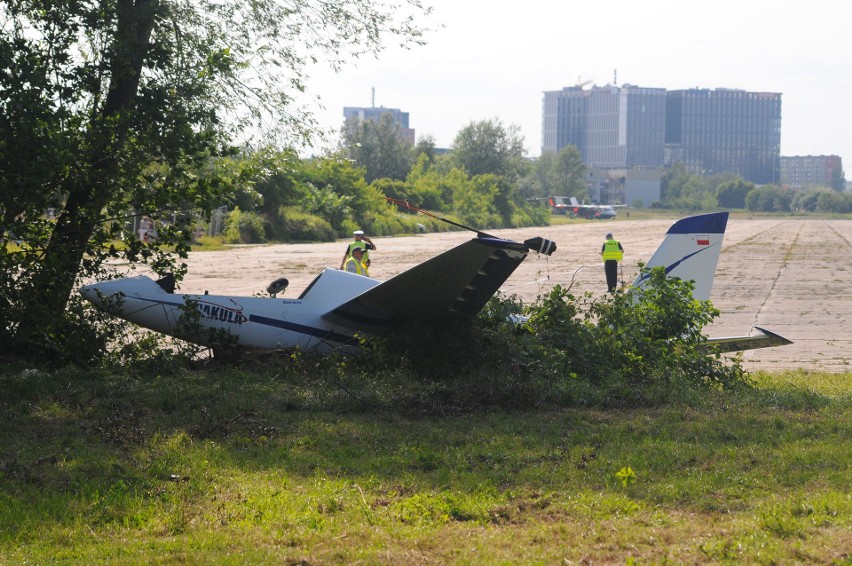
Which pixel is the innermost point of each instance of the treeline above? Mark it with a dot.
(484, 181)
(685, 191)
(321, 199)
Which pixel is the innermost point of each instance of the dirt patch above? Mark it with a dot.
(788, 275)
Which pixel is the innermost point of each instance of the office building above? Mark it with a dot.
(613, 127)
(375, 113)
(625, 127)
(725, 131)
(564, 118)
(803, 171)
(710, 131)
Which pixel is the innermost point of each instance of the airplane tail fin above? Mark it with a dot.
(691, 251)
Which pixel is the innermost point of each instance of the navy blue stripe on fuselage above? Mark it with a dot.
(302, 329)
(277, 323)
(669, 268)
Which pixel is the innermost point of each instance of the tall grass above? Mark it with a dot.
(285, 462)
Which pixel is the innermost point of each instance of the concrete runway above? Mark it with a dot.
(789, 275)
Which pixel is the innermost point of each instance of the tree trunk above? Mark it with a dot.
(97, 179)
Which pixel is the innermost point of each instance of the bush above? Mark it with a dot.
(636, 348)
(295, 225)
(244, 228)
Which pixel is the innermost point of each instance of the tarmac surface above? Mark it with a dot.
(789, 275)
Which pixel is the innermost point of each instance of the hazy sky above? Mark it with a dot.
(494, 59)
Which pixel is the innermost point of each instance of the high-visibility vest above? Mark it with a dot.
(358, 267)
(363, 245)
(612, 251)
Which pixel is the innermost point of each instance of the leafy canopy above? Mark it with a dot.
(112, 109)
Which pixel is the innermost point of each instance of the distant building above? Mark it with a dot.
(710, 131)
(624, 186)
(803, 171)
(625, 127)
(613, 127)
(374, 114)
(564, 118)
(725, 131)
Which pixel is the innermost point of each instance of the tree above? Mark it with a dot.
(488, 147)
(93, 93)
(732, 194)
(570, 173)
(768, 198)
(838, 179)
(561, 174)
(426, 146)
(379, 147)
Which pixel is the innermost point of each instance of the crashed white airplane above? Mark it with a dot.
(338, 308)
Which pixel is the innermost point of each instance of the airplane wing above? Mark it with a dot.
(765, 339)
(454, 284)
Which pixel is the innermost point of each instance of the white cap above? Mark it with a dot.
(358, 232)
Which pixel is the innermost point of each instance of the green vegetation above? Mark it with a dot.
(686, 191)
(111, 110)
(279, 463)
(596, 431)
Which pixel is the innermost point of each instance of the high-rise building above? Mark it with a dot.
(613, 127)
(802, 171)
(725, 131)
(564, 118)
(375, 113)
(625, 127)
(710, 131)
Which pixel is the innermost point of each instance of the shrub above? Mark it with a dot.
(636, 348)
(244, 228)
(297, 225)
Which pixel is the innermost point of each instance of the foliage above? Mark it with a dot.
(380, 148)
(683, 190)
(110, 107)
(838, 179)
(732, 194)
(822, 200)
(635, 348)
(560, 174)
(244, 228)
(284, 461)
(426, 148)
(489, 147)
(340, 188)
(835, 202)
(327, 203)
(768, 198)
(295, 225)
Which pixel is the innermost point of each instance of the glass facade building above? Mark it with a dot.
(725, 131)
(710, 131)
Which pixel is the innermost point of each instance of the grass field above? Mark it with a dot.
(267, 466)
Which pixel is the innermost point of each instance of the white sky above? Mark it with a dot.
(493, 59)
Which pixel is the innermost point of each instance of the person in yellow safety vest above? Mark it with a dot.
(354, 263)
(361, 241)
(612, 253)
